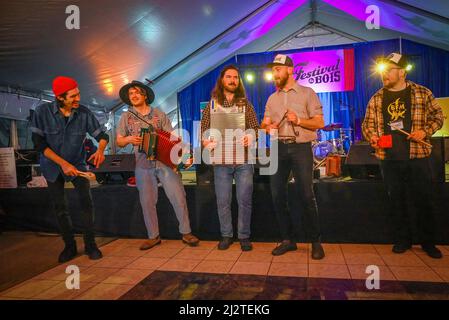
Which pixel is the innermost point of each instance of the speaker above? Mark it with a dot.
(446, 149)
(117, 163)
(361, 163)
(24, 175)
(116, 169)
(204, 174)
(438, 158)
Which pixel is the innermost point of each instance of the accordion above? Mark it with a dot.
(158, 145)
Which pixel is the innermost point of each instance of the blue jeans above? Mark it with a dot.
(243, 175)
(147, 184)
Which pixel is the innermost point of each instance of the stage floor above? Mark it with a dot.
(173, 270)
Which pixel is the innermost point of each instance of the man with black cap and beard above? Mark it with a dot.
(403, 106)
(297, 112)
(149, 172)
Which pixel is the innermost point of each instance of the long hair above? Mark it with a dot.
(218, 91)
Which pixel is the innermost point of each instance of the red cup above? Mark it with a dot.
(385, 142)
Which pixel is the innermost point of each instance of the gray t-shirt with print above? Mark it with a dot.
(130, 125)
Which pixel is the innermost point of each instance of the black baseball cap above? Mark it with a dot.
(281, 60)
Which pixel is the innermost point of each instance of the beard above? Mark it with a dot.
(229, 88)
(388, 83)
(281, 81)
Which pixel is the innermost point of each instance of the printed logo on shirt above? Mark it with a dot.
(396, 110)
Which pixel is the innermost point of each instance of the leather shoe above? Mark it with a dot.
(432, 251)
(69, 252)
(92, 251)
(284, 247)
(225, 243)
(150, 243)
(317, 251)
(246, 245)
(190, 240)
(400, 247)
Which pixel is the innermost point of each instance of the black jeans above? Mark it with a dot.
(409, 183)
(59, 202)
(298, 158)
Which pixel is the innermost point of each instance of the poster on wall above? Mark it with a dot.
(8, 177)
(326, 70)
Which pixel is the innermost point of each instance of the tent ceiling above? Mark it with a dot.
(173, 42)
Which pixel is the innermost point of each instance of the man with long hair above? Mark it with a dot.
(229, 93)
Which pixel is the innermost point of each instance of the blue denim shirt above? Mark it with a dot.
(65, 139)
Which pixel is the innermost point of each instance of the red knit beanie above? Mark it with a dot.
(63, 84)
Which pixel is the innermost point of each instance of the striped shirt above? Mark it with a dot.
(426, 115)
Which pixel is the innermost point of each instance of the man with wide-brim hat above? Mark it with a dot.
(148, 172)
(123, 93)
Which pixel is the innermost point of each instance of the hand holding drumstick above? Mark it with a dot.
(88, 175)
(416, 135)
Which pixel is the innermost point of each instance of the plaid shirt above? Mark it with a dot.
(250, 117)
(426, 115)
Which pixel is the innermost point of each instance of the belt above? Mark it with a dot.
(288, 141)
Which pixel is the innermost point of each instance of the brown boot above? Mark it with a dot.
(150, 243)
(190, 239)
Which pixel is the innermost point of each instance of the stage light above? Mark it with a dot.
(380, 67)
(108, 86)
(408, 67)
(249, 77)
(268, 76)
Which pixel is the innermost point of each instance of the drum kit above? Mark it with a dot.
(337, 146)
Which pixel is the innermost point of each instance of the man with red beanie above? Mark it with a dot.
(58, 131)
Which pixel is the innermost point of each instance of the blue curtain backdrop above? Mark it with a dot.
(430, 69)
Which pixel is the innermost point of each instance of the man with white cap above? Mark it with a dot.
(399, 121)
(297, 112)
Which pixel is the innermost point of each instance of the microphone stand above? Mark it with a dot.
(352, 111)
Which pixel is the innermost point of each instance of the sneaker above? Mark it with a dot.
(225, 243)
(284, 247)
(150, 243)
(246, 245)
(131, 182)
(70, 251)
(400, 247)
(432, 251)
(317, 251)
(92, 251)
(190, 239)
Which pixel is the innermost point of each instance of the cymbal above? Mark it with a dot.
(332, 127)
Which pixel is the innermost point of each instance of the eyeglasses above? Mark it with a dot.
(387, 70)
